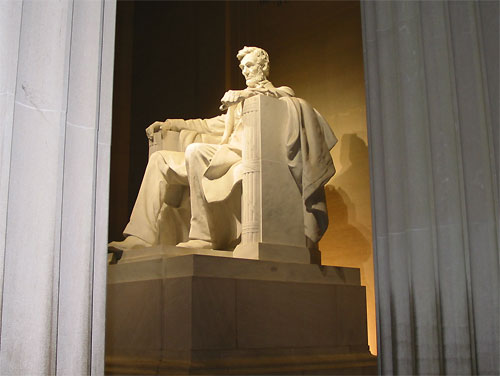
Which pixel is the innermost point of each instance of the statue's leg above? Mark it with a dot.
(198, 158)
(154, 189)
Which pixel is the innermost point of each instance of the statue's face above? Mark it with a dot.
(252, 70)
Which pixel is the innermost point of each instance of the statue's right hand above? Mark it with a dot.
(153, 128)
(232, 97)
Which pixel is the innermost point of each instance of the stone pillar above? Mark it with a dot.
(56, 124)
(10, 26)
(432, 95)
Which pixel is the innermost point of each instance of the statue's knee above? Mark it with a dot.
(193, 150)
(154, 158)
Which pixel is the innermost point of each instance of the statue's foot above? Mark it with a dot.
(130, 242)
(196, 243)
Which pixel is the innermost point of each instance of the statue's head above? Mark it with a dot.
(254, 64)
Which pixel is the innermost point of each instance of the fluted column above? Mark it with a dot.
(431, 120)
(251, 209)
(10, 26)
(56, 187)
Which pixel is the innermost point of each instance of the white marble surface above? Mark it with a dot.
(80, 165)
(49, 297)
(10, 28)
(175, 262)
(276, 201)
(98, 307)
(166, 251)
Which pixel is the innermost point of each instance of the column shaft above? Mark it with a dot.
(55, 171)
(10, 26)
(434, 184)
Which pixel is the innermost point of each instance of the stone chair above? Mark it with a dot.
(272, 219)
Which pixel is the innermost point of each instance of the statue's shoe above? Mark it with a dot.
(130, 242)
(196, 243)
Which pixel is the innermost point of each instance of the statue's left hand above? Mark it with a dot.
(153, 128)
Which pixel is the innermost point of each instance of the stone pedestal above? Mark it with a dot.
(203, 314)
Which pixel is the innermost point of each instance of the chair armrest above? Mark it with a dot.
(178, 141)
(164, 140)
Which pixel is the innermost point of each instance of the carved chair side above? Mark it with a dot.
(272, 206)
(164, 140)
(178, 141)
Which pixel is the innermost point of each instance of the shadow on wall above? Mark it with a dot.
(349, 226)
(348, 239)
(343, 239)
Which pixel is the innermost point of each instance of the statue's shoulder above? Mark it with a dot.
(269, 89)
(285, 91)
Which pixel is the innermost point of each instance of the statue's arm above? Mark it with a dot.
(213, 126)
(233, 97)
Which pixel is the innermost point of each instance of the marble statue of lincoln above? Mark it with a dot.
(210, 172)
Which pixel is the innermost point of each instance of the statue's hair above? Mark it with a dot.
(262, 56)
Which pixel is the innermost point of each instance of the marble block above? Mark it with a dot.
(205, 314)
(271, 206)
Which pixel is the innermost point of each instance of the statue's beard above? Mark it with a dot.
(255, 80)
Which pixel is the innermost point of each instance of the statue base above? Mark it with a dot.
(190, 312)
(277, 252)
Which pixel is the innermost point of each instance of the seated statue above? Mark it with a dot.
(200, 186)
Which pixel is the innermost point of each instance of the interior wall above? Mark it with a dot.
(178, 56)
